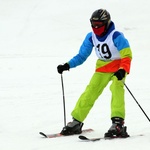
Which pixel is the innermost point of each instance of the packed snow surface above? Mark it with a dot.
(38, 35)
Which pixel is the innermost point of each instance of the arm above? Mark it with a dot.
(84, 51)
(125, 52)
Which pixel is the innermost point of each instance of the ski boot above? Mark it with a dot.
(74, 127)
(117, 129)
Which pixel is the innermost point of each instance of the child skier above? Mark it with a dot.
(113, 64)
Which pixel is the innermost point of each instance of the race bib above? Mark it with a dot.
(106, 50)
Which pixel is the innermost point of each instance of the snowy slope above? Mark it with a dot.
(36, 36)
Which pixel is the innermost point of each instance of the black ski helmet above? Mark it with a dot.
(101, 15)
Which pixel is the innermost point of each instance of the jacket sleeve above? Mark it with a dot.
(84, 51)
(124, 49)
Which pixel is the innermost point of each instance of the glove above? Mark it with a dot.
(120, 74)
(61, 68)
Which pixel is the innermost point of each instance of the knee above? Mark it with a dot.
(116, 84)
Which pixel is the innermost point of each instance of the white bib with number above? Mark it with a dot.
(106, 50)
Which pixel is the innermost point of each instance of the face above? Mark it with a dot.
(98, 27)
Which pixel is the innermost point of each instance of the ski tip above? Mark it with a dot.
(83, 137)
(41, 133)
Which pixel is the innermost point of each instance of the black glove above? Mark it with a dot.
(61, 68)
(120, 74)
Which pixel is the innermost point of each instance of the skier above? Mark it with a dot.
(113, 64)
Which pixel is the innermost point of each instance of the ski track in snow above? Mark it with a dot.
(35, 37)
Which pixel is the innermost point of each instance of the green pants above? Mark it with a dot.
(96, 86)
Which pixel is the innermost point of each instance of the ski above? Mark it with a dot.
(60, 135)
(84, 138)
(81, 137)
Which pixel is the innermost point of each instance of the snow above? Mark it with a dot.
(36, 36)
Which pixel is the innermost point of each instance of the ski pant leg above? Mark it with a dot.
(117, 100)
(86, 101)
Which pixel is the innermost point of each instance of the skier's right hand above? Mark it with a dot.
(61, 68)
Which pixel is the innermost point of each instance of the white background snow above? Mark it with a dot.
(38, 35)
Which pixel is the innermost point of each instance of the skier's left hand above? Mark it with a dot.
(120, 74)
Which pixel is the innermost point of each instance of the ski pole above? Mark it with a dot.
(136, 101)
(63, 93)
